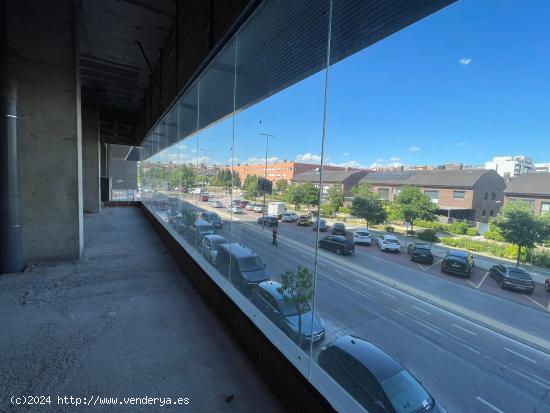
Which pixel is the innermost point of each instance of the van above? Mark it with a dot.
(276, 209)
(242, 266)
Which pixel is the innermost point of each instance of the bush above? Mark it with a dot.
(472, 232)
(344, 210)
(458, 228)
(428, 235)
(389, 228)
(503, 250)
(411, 232)
(494, 235)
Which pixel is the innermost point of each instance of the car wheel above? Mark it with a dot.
(501, 284)
(339, 251)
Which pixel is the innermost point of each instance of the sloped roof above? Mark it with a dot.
(329, 177)
(533, 183)
(436, 178)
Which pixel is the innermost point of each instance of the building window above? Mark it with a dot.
(434, 195)
(483, 213)
(459, 194)
(491, 212)
(486, 196)
(544, 207)
(493, 196)
(528, 201)
(383, 193)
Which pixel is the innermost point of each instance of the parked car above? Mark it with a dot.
(304, 220)
(250, 206)
(203, 228)
(259, 208)
(212, 217)
(322, 225)
(388, 243)
(203, 197)
(337, 243)
(216, 204)
(420, 252)
(210, 247)
(270, 301)
(181, 224)
(362, 236)
(289, 217)
(513, 278)
(458, 262)
(269, 221)
(547, 284)
(243, 204)
(237, 210)
(242, 266)
(338, 229)
(376, 380)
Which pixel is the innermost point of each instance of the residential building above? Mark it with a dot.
(542, 167)
(281, 170)
(346, 180)
(471, 194)
(534, 189)
(510, 166)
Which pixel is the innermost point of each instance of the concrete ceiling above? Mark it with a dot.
(112, 66)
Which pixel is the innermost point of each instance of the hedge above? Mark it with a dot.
(498, 250)
(428, 235)
(457, 227)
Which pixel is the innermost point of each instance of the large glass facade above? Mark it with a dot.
(326, 135)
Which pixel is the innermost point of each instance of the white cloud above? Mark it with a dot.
(234, 160)
(308, 157)
(194, 150)
(202, 159)
(414, 148)
(346, 153)
(395, 159)
(254, 160)
(465, 61)
(384, 164)
(462, 144)
(350, 164)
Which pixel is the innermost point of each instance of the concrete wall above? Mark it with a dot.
(43, 68)
(91, 160)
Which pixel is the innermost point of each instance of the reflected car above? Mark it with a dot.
(242, 266)
(289, 217)
(180, 224)
(420, 252)
(212, 217)
(270, 300)
(304, 220)
(237, 210)
(362, 236)
(203, 228)
(337, 243)
(338, 229)
(270, 221)
(216, 204)
(210, 247)
(547, 284)
(512, 278)
(374, 379)
(388, 243)
(250, 206)
(458, 262)
(322, 225)
(259, 208)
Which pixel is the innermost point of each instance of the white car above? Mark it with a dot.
(237, 210)
(361, 236)
(250, 206)
(388, 243)
(210, 246)
(290, 217)
(216, 204)
(259, 208)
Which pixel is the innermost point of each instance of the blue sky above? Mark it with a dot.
(465, 84)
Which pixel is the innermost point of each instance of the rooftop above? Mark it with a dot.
(535, 183)
(328, 176)
(466, 178)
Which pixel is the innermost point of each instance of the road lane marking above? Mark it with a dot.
(536, 302)
(538, 380)
(520, 355)
(389, 295)
(464, 329)
(434, 264)
(489, 405)
(422, 267)
(471, 283)
(422, 310)
(483, 279)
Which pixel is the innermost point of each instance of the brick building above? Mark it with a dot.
(282, 170)
(533, 188)
(344, 179)
(471, 194)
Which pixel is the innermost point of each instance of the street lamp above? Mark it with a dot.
(267, 136)
(203, 172)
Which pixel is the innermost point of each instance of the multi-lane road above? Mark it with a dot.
(474, 350)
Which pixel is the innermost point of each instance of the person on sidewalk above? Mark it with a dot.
(274, 234)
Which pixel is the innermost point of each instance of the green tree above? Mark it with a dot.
(411, 204)
(310, 194)
(369, 207)
(297, 290)
(281, 186)
(335, 197)
(518, 225)
(363, 189)
(250, 186)
(294, 195)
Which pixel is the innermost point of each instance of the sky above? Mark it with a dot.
(467, 83)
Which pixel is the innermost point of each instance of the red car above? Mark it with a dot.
(203, 198)
(547, 284)
(243, 204)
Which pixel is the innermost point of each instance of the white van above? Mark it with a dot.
(276, 209)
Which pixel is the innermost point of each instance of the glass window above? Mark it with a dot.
(544, 207)
(434, 195)
(486, 196)
(484, 212)
(383, 193)
(459, 194)
(493, 196)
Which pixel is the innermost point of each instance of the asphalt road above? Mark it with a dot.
(474, 351)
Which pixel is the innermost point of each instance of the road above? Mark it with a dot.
(473, 350)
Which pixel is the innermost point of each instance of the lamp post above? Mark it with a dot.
(267, 136)
(203, 172)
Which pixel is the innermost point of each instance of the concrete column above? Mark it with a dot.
(91, 160)
(43, 56)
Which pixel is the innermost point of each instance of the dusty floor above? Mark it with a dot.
(121, 322)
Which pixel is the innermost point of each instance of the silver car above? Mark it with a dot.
(290, 217)
(210, 246)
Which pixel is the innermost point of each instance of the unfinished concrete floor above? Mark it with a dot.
(121, 322)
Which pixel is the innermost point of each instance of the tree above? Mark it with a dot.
(297, 290)
(250, 186)
(363, 189)
(281, 186)
(294, 195)
(310, 194)
(335, 197)
(411, 203)
(519, 226)
(369, 207)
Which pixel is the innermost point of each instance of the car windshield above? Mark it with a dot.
(216, 243)
(423, 247)
(251, 264)
(405, 393)
(288, 309)
(362, 233)
(520, 275)
(391, 241)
